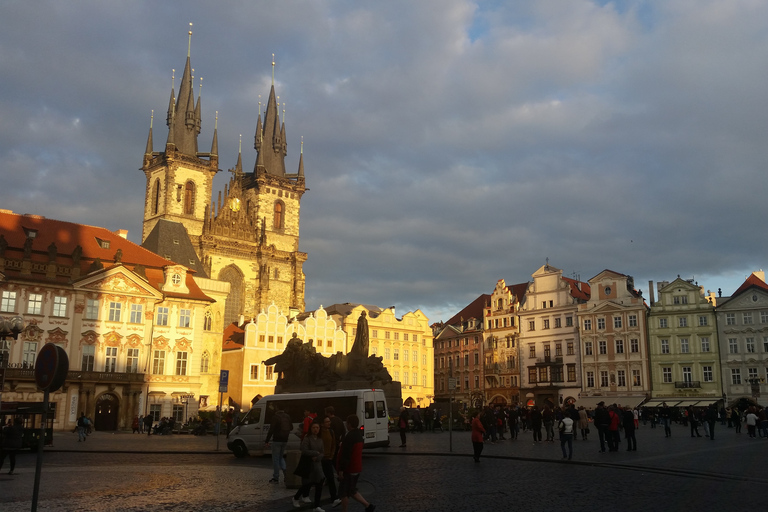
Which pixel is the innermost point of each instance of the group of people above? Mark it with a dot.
(418, 420)
(328, 448)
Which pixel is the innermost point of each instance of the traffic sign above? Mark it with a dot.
(223, 381)
(51, 367)
(451, 383)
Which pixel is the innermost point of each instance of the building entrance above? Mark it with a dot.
(106, 412)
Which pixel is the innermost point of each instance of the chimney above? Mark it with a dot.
(122, 233)
(651, 294)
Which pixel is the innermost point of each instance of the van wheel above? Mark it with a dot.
(239, 449)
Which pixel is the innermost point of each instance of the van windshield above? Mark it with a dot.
(252, 417)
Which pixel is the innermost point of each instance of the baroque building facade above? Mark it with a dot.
(502, 344)
(459, 355)
(248, 237)
(248, 346)
(742, 321)
(549, 338)
(683, 342)
(142, 333)
(614, 345)
(404, 343)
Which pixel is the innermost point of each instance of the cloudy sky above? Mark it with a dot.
(447, 143)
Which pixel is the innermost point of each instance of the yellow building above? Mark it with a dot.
(265, 336)
(140, 331)
(404, 343)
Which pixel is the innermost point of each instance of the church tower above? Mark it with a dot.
(249, 235)
(179, 179)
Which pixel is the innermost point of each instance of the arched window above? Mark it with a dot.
(204, 361)
(207, 321)
(234, 306)
(189, 198)
(278, 224)
(156, 197)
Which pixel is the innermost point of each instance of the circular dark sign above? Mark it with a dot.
(51, 367)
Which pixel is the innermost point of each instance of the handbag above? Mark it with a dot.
(304, 467)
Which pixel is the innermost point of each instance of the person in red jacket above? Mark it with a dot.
(349, 465)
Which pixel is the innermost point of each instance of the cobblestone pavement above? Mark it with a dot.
(124, 472)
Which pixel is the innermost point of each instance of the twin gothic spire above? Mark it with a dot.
(184, 121)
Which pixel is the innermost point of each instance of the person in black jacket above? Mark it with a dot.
(602, 421)
(279, 429)
(629, 429)
(12, 441)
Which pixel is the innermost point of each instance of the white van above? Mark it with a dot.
(368, 404)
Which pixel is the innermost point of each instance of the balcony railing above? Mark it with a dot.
(549, 360)
(688, 384)
(77, 376)
(499, 367)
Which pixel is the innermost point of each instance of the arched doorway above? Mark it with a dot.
(410, 402)
(107, 407)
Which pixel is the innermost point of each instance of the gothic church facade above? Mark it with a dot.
(248, 237)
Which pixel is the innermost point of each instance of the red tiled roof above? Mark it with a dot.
(95, 242)
(518, 290)
(473, 310)
(751, 281)
(577, 293)
(234, 337)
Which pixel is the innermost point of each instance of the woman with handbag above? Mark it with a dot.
(310, 467)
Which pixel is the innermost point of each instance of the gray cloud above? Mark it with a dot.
(447, 143)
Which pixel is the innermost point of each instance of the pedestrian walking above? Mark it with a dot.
(536, 424)
(310, 468)
(478, 432)
(629, 429)
(82, 426)
(583, 423)
(751, 422)
(565, 427)
(279, 430)
(403, 425)
(665, 414)
(13, 435)
(736, 419)
(711, 416)
(602, 420)
(329, 453)
(350, 464)
(694, 422)
(148, 424)
(135, 425)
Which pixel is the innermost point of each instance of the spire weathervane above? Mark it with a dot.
(302, 145)
(240, 148)
(151, 118)
(273, 69)
(216, 122)
(200, 91)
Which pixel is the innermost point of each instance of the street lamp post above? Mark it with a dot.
(10, 327)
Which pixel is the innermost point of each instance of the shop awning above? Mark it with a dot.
(671, 402)
(590, 402)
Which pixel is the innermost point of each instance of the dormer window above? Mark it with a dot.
(104, 244)
(31, 233)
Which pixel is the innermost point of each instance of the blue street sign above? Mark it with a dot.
(223, 381)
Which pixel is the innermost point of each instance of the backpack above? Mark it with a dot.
(285, 424)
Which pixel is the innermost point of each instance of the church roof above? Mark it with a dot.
(170, 240)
